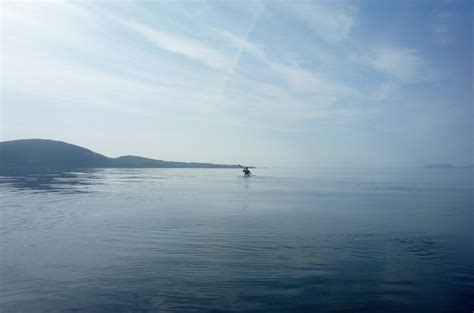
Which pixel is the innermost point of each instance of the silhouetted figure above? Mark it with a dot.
(246, 171)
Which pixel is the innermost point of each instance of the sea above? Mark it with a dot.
(211, 240)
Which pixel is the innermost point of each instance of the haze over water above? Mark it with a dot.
(191, 240)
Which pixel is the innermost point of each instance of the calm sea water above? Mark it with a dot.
(192, 240)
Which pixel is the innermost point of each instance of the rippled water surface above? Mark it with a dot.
(192, 240)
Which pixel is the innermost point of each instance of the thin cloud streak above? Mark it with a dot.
(332, 22)
(404, 64)
(324, 92)
(183, 46)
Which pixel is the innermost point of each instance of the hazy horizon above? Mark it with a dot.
(263, 166)
(359, 83)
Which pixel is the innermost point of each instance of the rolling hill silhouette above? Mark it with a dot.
(51, 153)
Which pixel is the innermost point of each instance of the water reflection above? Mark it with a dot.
(51, 180)
(190, 240)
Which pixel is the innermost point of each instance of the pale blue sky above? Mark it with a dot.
(310, 83)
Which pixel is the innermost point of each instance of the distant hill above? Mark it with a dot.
(50, 153)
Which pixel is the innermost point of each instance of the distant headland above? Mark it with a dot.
(51, 153)
(446, 166)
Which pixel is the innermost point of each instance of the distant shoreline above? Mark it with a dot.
(45, 153)
(447, 166)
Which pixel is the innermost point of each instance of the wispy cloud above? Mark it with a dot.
(299, 81)
(308, 82)
(187, 47)
(142, 90)
(442, 27)
(243, 44)
(384, 91)
(331, 21)
(404, 64)
(89, 87)
(442, 33)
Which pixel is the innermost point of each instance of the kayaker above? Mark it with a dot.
(246, 171)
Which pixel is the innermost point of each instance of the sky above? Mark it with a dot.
(265, 83)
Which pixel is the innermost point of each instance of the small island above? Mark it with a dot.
(446, 166)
